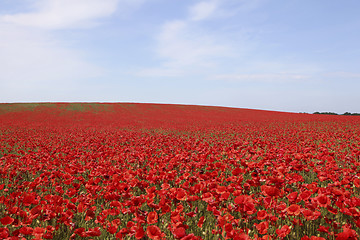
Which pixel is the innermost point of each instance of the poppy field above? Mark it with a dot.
(156, 171)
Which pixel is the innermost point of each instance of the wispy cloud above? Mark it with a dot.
(264, 77)
(343, 75)
(203, 10)
(185, 47)
(33, 60)
(60, 14)
(182, 45)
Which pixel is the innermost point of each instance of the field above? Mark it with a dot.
(152, 171)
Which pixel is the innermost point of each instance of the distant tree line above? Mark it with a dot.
(332, 113)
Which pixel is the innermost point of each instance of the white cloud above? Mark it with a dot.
(37, 66)
(190, 46)
(263, 77)
(203, 10)
(342, 75)
(60, 14)
(33, 63)
(185, 47)
(32, 60)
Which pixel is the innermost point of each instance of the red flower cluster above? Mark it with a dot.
(185, 172)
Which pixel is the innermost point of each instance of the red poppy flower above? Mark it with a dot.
(50, 228)
(246, 204)
(165, 186)
(228, 227)
(347, 234)
(317, 238)
(90, 214)
(29, 199)
(165, 208)
(262, 214)
(266, 237)
(201, 222)
(152, 218)
(225, 196)
(137, 201)
(293, 210)
(240, 200)
(191, 214)
(153, 232)
(4, 233)
(130, 224)
(249, 208)
(179, 232)
(81, 207)
(323, 200)
(190, 236)
(262, 227)
(323, 229)
(237, 171)
(112, 229)
(6, 220)
(181, 194)
(116, 222)
(283, 231)
(93, 232)
(36, 210)
(305, 195)
(115, 204)
(332, 209)
(312, 238)
(48, 235)
(354, 211)
(270, 191)
(292, 197)
(221, 189)
(242, 236)
(139, 233)
(26, 230)
(310, 215)
(357, 182)
(38, 232)
(207, 197)
(122, 233)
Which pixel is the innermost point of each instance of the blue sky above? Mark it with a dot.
(286, 55)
